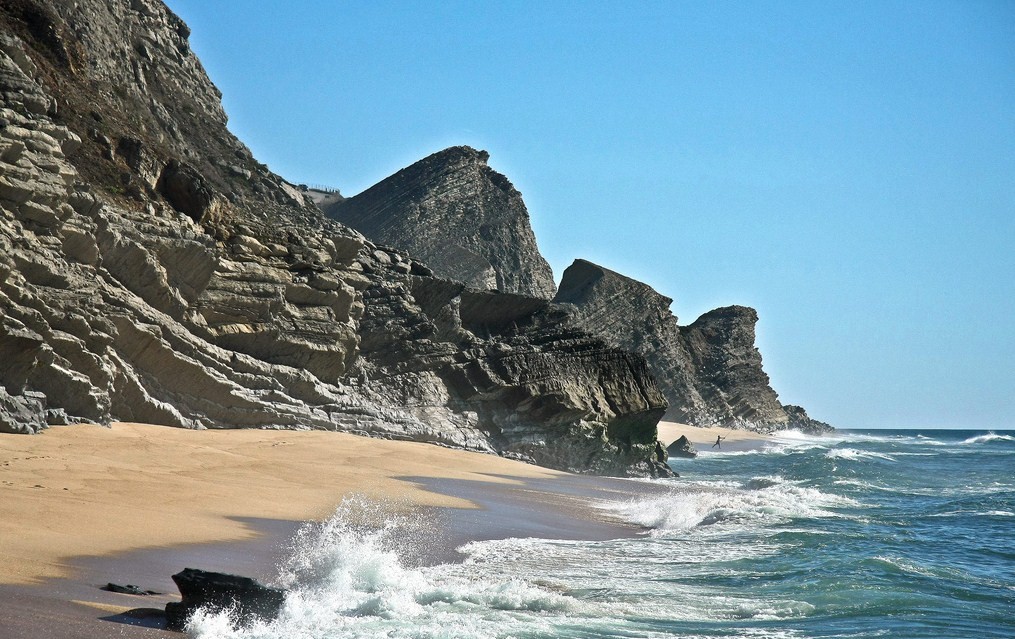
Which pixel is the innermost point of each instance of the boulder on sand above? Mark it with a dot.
(681, 448)
(246, 599)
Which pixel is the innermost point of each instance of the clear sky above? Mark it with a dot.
(847, 168)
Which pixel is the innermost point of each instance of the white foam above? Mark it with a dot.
(989, 437)
(853, 454)
(345, 581)
(981, 513)
(710, 503)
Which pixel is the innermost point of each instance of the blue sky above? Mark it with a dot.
(848, 168)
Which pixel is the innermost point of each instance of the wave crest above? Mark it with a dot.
(989, 437)
(852, 454)
(344, 579)
(710, 503)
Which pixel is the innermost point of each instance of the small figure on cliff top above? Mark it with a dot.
(718, 438)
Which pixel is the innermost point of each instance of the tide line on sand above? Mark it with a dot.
(91, 490)
(82, 505)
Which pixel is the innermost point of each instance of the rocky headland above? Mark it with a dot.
(709, 371)
(152, 270)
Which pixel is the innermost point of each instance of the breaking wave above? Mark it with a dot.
(770, 498)
(344, 580)
(854, 454)
(989, 437)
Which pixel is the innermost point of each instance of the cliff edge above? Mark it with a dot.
(709, 371)
(152, 270)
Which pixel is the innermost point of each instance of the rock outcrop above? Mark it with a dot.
(151, 270)
(710, 371)
(682, 447)
(246, 600)
(460, 217)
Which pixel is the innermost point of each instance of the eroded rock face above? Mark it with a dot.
(151, 270)
(728, 369)
(460, 217)
(631, 315)
(710, 371)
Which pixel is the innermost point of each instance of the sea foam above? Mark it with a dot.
(344, 580)
(989, 437)
(709, 503)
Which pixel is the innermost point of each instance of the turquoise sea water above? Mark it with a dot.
(900, 534)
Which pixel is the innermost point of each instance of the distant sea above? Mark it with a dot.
(901, 534)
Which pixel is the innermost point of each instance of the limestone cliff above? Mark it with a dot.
(462, 218)
(152, 270)
(710, 372)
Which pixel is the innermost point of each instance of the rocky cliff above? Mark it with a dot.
(710, 371)
(152, 270)
(462, 218)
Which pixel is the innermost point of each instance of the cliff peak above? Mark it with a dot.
(465, 220)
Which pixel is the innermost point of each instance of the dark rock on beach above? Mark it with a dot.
(245, 599)
(24, 413)
(128, 589)
(681, 448)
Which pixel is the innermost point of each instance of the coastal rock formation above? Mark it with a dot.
(730, 380)
(681, 448)
(152, 270)
(459, 216)
(710, 371)
(246, 600)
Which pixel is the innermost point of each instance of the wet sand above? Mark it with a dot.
(81, 506)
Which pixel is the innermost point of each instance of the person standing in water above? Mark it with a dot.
(718, 438)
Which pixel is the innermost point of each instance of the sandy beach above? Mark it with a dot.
(703, 438)
(91, 490)
(134, 503)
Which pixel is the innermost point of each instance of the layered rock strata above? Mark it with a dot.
(710, 371)
(465, 220)
(151, 270)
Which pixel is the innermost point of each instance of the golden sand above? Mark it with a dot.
(92, 490)
(703, 438)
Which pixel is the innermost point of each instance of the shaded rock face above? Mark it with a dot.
(460, 217)
(729, 376)
(710, 372)
(633, 316)
(151, 270)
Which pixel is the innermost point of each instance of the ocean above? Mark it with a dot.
(902, 534)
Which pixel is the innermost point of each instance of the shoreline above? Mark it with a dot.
(84, 505)
(703, 438)
(131, 486)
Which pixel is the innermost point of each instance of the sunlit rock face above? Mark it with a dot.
(152, 270)
(465, 220)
